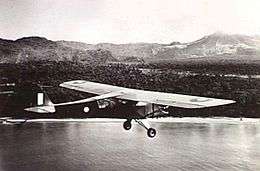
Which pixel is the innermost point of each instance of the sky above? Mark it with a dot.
(127, 21)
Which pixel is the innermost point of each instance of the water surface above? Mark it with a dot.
(181, 144)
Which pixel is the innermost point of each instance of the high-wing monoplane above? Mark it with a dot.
(136, 102)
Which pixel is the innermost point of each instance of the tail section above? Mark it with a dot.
(37, 100)
(43, 105)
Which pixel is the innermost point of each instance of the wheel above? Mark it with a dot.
(127, 125)
(151, 132)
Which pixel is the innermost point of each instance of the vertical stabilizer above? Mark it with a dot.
(36, 99)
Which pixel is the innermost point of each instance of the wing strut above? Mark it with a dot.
(50, 108)
(91, 99)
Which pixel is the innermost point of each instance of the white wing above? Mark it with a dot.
(168, 99)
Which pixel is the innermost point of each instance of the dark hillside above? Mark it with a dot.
(245, 91)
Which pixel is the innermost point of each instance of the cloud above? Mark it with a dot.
(127, 20)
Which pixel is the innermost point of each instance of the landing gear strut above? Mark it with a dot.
(151, 132)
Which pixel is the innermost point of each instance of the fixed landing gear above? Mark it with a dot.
(151, 132)
(127, 125)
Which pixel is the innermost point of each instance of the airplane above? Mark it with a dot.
(137, 103)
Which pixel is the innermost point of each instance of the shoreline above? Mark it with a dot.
(228, 120)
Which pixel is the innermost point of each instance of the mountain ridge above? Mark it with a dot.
(41, 49)
(213, 47)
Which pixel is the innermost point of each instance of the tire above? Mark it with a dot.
(151, 132)
(127, 125)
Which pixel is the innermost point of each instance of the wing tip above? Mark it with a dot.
(221, 102)
(72, 82)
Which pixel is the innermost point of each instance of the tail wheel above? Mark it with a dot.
(151, 132)
(127, 125)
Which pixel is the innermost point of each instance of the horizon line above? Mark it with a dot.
(117, 43)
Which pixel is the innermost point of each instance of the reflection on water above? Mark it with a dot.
(105, 145)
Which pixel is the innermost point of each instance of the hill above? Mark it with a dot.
(213, 48)
(41, 49)
(217, 47)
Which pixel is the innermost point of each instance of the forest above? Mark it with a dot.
(206, 80)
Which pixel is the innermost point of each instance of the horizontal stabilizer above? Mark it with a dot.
(41, 109)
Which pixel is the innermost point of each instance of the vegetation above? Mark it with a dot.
(206, 80)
